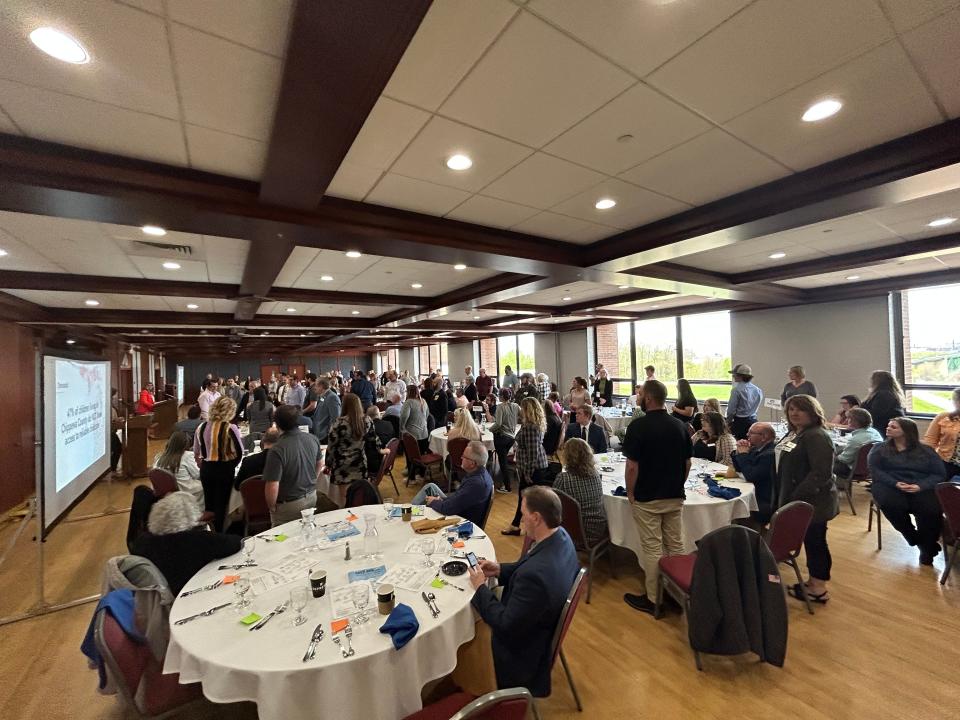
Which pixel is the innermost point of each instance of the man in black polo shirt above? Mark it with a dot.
(658, 452)
(291, 470)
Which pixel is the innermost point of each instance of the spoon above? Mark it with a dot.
(433, 599)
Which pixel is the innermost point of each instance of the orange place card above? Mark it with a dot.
(459, 544)
(351, 517)
(230, 579)
(338, 625)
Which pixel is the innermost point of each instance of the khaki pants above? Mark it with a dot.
(660, 530)
(288, 511)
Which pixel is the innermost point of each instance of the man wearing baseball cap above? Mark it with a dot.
(744, 402)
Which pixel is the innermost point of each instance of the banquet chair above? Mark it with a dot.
(788, 526)
(507, 704)
(428, 461)
(874, 512)
(563, 624)
(163, 482)
(573, 523)
(256, 512)
(381, 405)
(948, 493)
(362, 492)
(525, 548)
(451, 417)
(675, 576)
(455, 450)
(386, 465)
(138, 676)
(486, 512)
(860, 473)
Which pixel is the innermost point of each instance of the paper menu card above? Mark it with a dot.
(408, 577)
(341, 598)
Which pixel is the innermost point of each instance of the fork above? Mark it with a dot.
(276, 611)
(348, 631)
(343, 650)
(211, 586)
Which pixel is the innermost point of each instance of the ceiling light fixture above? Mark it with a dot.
(822, 110)
(326, 278)
(605, 203)
(940, 222)
(853, 277)
(476, 317)
(171, 265)
(291, 309)
(354, 312)
(91, 303)
(778, 255)
(154, 230)
(71, 341)
(567, 299)
(623, 287)
(459, 162)
(192, 306)
(654, 307)
(59, 45)
(416, 286)
(354, 254)
(459, 266)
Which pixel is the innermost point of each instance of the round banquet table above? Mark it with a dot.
(615, 418)
(438, 440)
(701, 512)
(265, 666)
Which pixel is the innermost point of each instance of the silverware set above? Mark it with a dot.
(211, 586)
(205, 613)
(315, 638)
(237, 567)
(278, 610)
(431, 600)
(348, 650)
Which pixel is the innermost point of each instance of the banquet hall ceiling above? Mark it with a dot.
(270, 138)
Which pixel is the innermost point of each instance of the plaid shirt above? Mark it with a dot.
(588, 491)
(544, 390)
(530, 454)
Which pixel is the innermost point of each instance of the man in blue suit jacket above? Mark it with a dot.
(535, 588)
(327, 411)
(755, 460)
(585, 429)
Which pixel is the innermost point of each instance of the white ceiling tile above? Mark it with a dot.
(152, 6)
(225, 154)
(152, 267)
(130, 60)
(224, 306)
(388, 129)
(770, 47)
(259, 24)
(635, 206)
(83, 123)
(883, 99)
(179, 304)
(907, 14)
(21, 256)
(108, 301)
(654, 122)
(542, 181)
(910, 219)
(580, 291)
(934, 47)
(842, 235)
(425, 158)
(293, 268)
(492, 212)
(6, 124)
(353, 182)
(533, 84)
(562, 227)
(709, 167)
(411, 194)
(224, 86)
(637, 35)
(448, 42)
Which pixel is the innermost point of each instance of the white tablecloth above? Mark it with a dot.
(265, 666)
(614, 418)
(438, 440)
(701, 512)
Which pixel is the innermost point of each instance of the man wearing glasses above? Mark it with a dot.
(755, 460)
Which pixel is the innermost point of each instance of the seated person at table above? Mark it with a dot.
(254, 463)
(861, 423)
(522, 622)
(383, 428)
(291, 469)
(709, 405)
(551, 436)
(904, 475)
(190, 424)
(637, 397)
(177, 459)
(585, 429)
(755, 459)
(554, 398)
(713, 441)
(580, 480)
(461, 401)
(395, 404)
(177, 545)
(464, 426)
(842, 418)
(470, 501)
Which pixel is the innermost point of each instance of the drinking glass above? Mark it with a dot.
(428, 546)
(360, 600)
(249, 544)
(388, 506)
(241, 588)
(298, 600)
(452, 537)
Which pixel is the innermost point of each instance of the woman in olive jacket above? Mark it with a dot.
(805, 472)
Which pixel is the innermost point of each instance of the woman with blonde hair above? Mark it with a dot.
(531, 458)
(709, 405)
(218, 448)
(464, 426)
(178, 460)
(580, 480)
(346, 457)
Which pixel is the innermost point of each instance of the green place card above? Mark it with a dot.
(437, 583)
(280, 538)
(250, 619)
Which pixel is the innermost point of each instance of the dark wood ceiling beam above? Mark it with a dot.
(872, 288)
(764, 293)
(18, 309)
(154, 318)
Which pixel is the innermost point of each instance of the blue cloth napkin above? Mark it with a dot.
(401, 625)
(464, 529)
(718, 491)
(620, 491)
(118, 603)
(372, 573)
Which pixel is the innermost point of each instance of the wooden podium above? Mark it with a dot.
(135, 451)
(165, 417)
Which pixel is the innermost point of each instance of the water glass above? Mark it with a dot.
(241, 590)
(360, 601)
(249, 544)
(452, 537)
(428, 547)
(298, 600)
(388, 506)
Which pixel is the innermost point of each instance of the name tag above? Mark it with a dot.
(711, 444)
(788, 447)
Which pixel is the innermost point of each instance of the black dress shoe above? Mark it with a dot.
(639, 602)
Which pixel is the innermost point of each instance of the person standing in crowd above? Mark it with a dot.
(504, 430)
(208, 396)
(260, 412)
(554, 431)
(283, 387)
(272, 387)
(943, 435)
(177, 459)
(310, 396)
(470, 389)
(527, 389)
(905, 473)
(658, 451)
(328, 409)
(254, 463)
(394, 386)
(842, 418)
(531, 458)
(413, 420)
(586, 429)
(363, 389)
(863, 433)
(146, 401)
(686, 405)
(580, 480)
(296, 393)
(885, 400)
(435, 398)
(745, 400)
(543, 385)
(291, 469)
(116, 425)
(218, 448)
(651, 373)
(579, 393)
(754, 458)
(713, 441)
(232, 390)
(798, 385)
(484, 383)
(804, 459)
(603, 390)
(509, 378)
(347, 444)
(467, 373)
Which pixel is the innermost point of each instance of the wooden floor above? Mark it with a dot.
(886, 646)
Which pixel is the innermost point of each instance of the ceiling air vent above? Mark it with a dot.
(165, 247)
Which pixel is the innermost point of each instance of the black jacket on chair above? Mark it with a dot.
(737, 603)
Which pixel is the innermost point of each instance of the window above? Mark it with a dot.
(613, 351)
(931, 348)
(656, 344)
(517, 351)
(706, 353)
(488, 356)
(429, 358)
(506, 354)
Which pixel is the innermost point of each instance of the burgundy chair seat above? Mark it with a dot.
(162, 481)
(679, 568)
(428, 458)
(443, 709)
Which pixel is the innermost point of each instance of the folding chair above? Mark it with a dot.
(386, 465)
(256, 512)
(573, 523)
(428, 461)
(788, 526)
(563, 624)
(948, 494)
(455, 450)
(508, 704)
(163, 482)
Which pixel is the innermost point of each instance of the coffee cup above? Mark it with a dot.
(406, 512)
(385, 599)
(318, 583)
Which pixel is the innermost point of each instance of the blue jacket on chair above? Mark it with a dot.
(523, 621)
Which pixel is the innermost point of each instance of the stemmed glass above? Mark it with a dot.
(249, 544)
(428, 547)
(241, 588)
(360, 601)
(452, 537)
(388, 507)
(298, 599)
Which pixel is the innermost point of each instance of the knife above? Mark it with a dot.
(312, 647)
(237, 567)
(211, 611)
(276, 611)
(429, 604)
(211, 586)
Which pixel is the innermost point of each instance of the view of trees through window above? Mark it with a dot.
(931, 348)
(517, 352)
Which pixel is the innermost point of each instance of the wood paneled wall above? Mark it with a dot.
(17, 435)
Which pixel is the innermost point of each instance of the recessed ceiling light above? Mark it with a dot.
(354, 253)
(144, 331)
(264, 333)
(822, 110)
(853, 277)
(291, 309)
(91, 303)
(2, 252)
(58, 44)
(654, 307)
(354, 312)
(154, 230)
(476, 317)
(71, 341)
(778, 255)
(605, 203)
(459, 162)
(623, 287)
(192, 306)
(303, 334)
(416, 286)
(459, 266)
(171, 265)
(567, 299)
(940, 222)
(326, 278)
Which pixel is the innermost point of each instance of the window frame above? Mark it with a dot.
(900, 356)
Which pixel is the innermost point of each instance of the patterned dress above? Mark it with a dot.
(588, 491)
(346, 456)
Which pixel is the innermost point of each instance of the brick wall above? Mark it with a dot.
(907, 364)
(607, 353)
(488, 356)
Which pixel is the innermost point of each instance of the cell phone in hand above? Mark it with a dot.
(472, 560)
